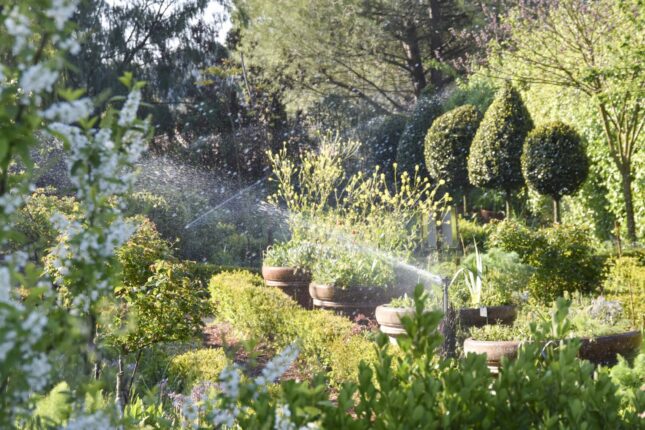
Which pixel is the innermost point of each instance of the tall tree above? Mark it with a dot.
(384, 52)
(596, 48)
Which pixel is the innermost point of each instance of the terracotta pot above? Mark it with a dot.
(389, 319)
(487, 216)
(471, 317)
(350, 301)
(294, 283)
(494, 350)
(599, 350)
(605, 349)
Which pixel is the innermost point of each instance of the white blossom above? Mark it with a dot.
(129, 110)
(17, 26)
(69, 112)
(36, 79)
(95, 421)
(61, 11)
(277, 366)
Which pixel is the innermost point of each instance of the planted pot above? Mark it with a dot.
(479, 317)
(605, 349)
(493, 349)
(389, 319)
(598, 350)
(350, 301)
(293, 282)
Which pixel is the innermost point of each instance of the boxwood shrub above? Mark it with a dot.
(200, 365)
(268, 315)
(563, 257)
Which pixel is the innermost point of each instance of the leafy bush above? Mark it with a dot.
(554, 162)
(586, 317)
(267, 314)
(563, 258)
(504, 278)
(411, 387)
(447, 145)
(168, 307)
(625, 282)
(472, 232)
(380, 137)
(200, 365)
(409, 153)
(494, 159)
(34, 227)
(346, 268)
(294, 254)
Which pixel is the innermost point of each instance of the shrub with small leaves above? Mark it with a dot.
(200, 365)
(494, 159)
(380, 137)
(554, 162)
(447, 145)
(563, 258)
(409, 153)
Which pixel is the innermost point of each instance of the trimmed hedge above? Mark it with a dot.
(554, 162)
(447, 145)
(267, 314)
(192, 367)
(494, 159)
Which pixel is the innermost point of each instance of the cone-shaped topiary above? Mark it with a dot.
(447, 144)
(494, 159)
(554, 162)
(410, 150)
(380, 137)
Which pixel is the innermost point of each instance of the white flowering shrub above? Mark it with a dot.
(35, 36)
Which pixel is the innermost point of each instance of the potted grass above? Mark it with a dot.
(351, 281)
(597, 323)
(286, 266)
(488, 288)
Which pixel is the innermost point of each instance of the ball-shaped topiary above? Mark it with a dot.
(554, 161)
(410, 150)
(447, 144)
(494, 159)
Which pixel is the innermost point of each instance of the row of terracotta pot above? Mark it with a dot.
(369, 301)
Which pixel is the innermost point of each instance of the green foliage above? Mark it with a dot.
(472, 232)
(504, 279)
(347, 267)
(630, 381)
(140, 252)
(586, 317)
(554, 161)
(625, 282)
(447, 145)
(409, 153)
(380, 137)
(267, 314)
(494, 160)
(34, 226)
(168, 307)
(56, 406)
(200, 365)
(563, 258)
(294, 254)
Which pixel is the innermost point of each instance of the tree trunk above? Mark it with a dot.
(556, 211)
(413, 59)
(120, 387)
(629, 204)
(465, 202)
(507, 201)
